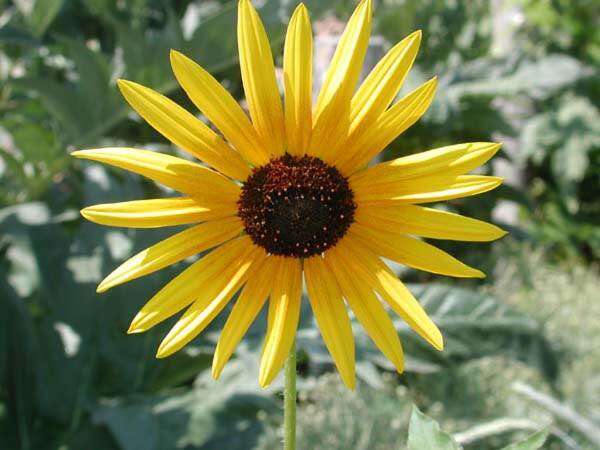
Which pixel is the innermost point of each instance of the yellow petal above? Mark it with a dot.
(183, 129)
(184, 176)
(384, 82)
(297, 74)
(332, 114)
(258, 77)
(174, 249)
(220, 107)
(412, 252)
(365, 304)
(424, 190)
(284, 315)
(207, 307)
(330, 312)
(204, 279)
(364, 145)
(385, 282)
(447, 161)
(163, 212)
(272, 309)
(245, 310)
(427, 222)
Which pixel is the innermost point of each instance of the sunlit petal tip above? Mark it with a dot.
(495, 233)
(106, 284)
(429, 88)
(350, 383)
(301, 9)
(431, 84)
(438, 343)
(415, 37)
(300, 13)
(89, 214)
(133, 329)
(216, 369)
(138, 324)
(399, 367)
(492, 145)
(501, 234)
(245, 4)
(164, 351)
(496, 145)
(366, 5)
(83, 154)
(179, 59)
(478, 274)
(490, 148)
(103, 287)
(398, 363)
(218, 361)
(265, 379)
(167, 347)
(175, 57)
(125, 85)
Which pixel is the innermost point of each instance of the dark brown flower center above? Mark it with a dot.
(296, 206)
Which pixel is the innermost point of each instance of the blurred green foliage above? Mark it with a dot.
(69, 376)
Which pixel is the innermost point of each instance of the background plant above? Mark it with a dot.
(522, 350)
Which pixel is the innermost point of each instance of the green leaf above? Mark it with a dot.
(537, 78)
(562, 411)
(43, 14)
(207, 416)
(16, 363)
(533, 442)
(474, 325)
(424, 434)
(62, 103)
(17, 35)
(96, 91)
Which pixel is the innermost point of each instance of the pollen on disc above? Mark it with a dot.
(296, 206)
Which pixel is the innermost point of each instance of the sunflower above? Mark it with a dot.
(287, 194)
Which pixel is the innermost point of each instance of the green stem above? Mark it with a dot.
(289, 402)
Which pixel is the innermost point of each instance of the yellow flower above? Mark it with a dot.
(288, 194)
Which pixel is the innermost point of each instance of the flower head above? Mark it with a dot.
(286, 194)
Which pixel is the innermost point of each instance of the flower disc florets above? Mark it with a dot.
(296, 206)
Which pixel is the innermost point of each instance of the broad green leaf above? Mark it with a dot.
(533, 442)
(205, 416)
(475, 324)
(17, 35)
(94, 80)
(16, 363)
(424, 434)
(537, 78)
(43, 14)
(62, 103)
(562, 411)
(32, 160)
